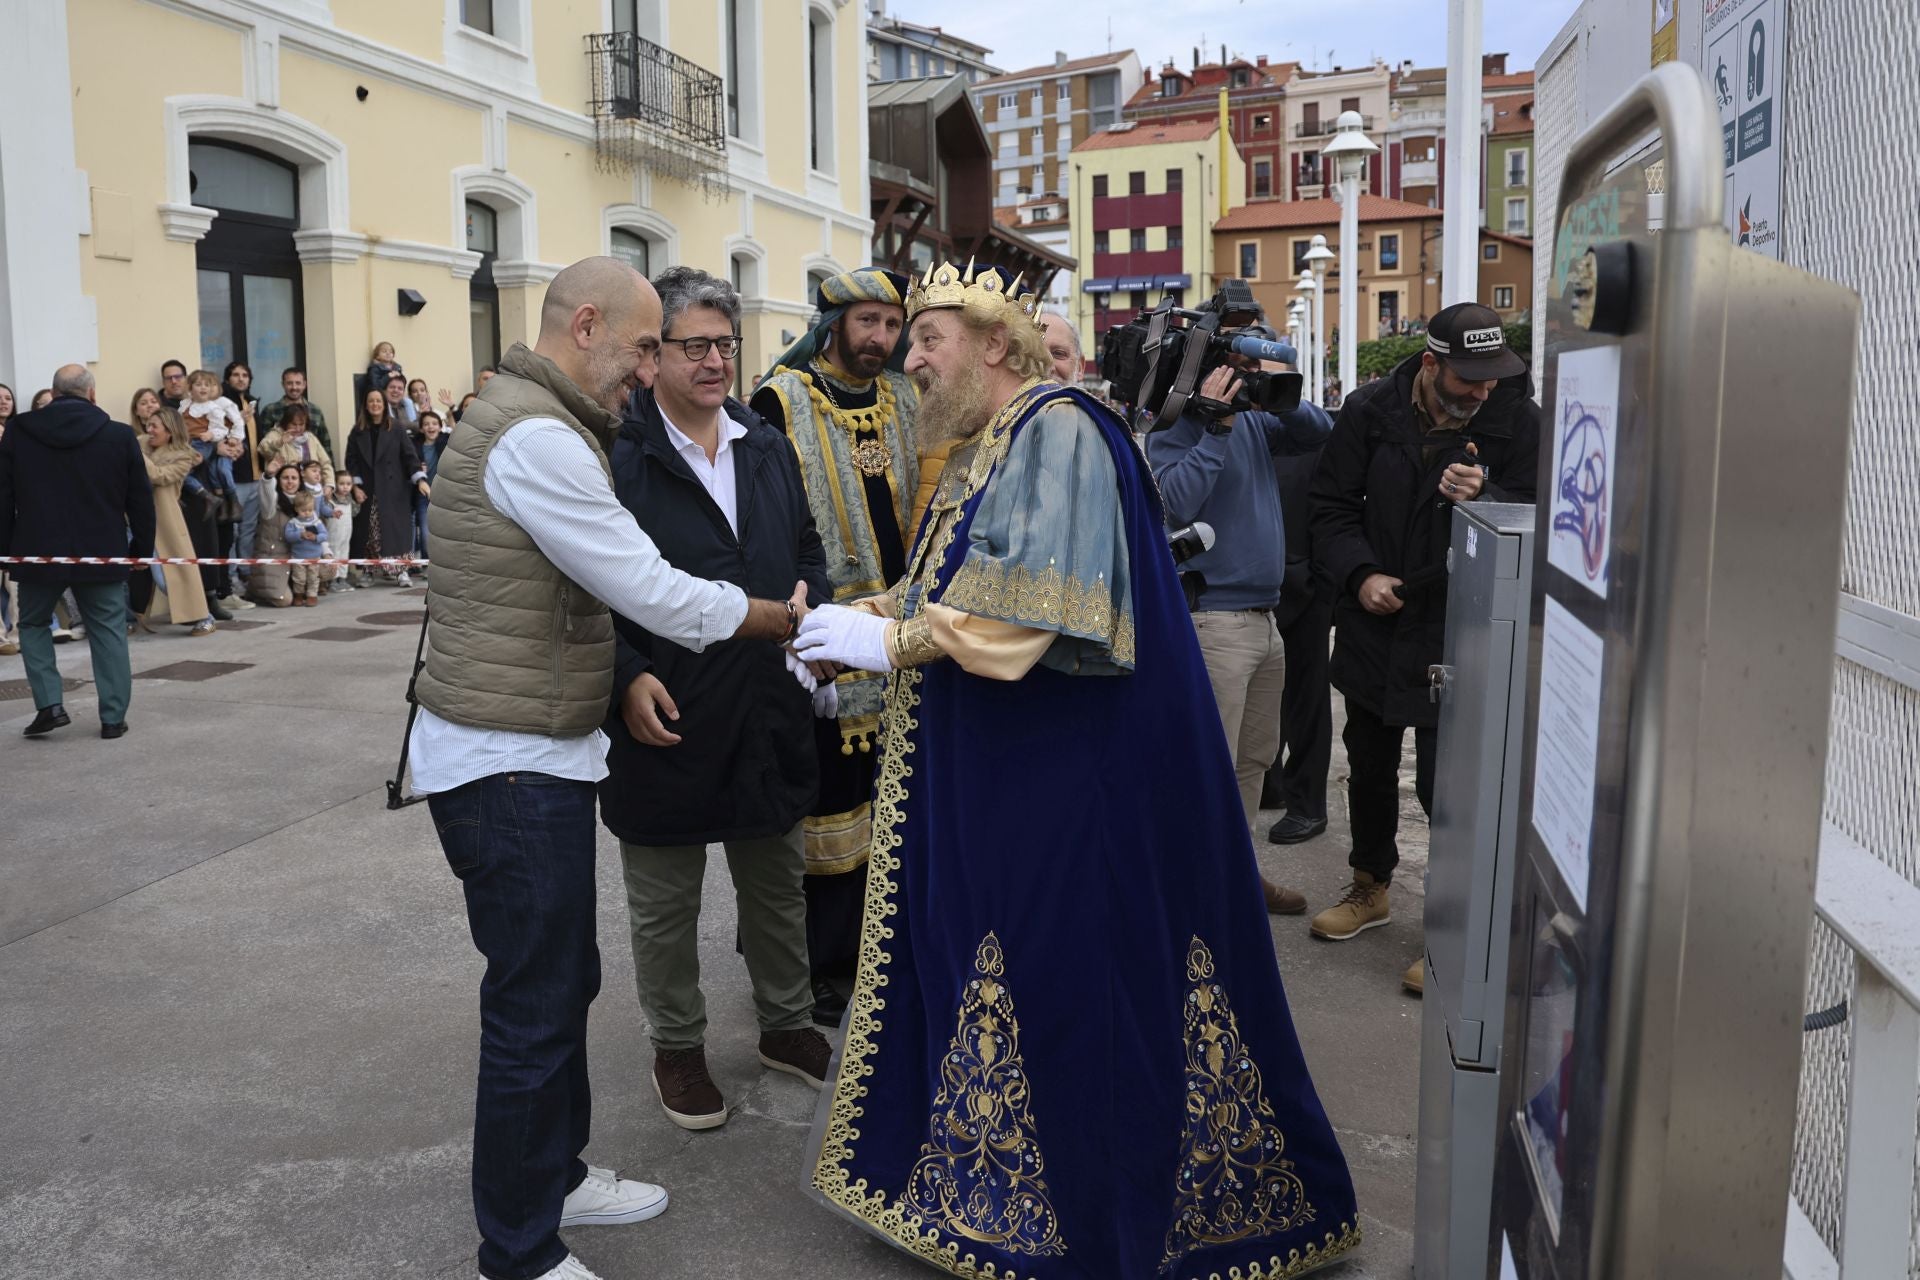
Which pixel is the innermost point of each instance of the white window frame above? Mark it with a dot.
(1063, 91)
(1240, 255)
(819, 100)
(753, 116)
(1512, 221)
(504, 58)
(1009, 102)
(662, 237)
(1525, 156)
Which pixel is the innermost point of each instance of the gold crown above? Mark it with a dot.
(985, 293)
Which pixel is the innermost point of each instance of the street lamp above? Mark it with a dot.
(1294, 328)
(1309, 291)
(1351, 148)
(1319, 259)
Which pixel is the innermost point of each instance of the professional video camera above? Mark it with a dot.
(1157, 361)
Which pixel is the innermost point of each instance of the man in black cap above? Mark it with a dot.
(1456, 423)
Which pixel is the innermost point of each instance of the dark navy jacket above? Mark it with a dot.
(745, 766)
(73, 483)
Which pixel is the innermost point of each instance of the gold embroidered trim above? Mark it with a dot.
(1298, 1261)
(842, 1133)
(986, 587)
(980, 1173)
(911, 643)
(836, 843)
(1234, 1182)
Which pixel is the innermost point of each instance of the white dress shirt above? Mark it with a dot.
(542, 476)
(715, 475)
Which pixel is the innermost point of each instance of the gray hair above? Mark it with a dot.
(73, 380)
(684, 287)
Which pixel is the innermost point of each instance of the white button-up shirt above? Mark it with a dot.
(542, 476)
(715, 475)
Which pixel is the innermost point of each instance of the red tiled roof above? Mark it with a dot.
(1517, 117)
(1064, 69)
(1511, 83)
(1207, 79)
(1146, 134)
(1501, 236)
(1274, 214)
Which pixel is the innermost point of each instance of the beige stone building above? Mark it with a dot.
(291, 181)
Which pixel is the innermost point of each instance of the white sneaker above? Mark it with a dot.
(403, 581)
(603, 1199)
(237, 602)
(570, 1268)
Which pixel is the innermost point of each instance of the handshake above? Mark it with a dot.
(817, 644)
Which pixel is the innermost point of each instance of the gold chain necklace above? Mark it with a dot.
(870, 457)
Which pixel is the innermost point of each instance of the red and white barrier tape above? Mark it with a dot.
(390, 563)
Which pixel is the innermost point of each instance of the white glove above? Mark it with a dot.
(851, 637)
(826, 701)
(801, 673)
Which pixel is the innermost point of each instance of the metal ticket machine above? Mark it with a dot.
(1686, 577)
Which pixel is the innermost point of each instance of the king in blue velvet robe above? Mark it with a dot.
(1068, 1052)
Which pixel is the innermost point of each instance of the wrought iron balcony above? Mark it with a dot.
(635, 79)
(650, 104)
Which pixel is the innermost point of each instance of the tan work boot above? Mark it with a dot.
(1415, 978)
(1363, 908)
(1282, 901)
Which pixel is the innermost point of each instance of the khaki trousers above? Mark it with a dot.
(1246, 663)
(663, 914)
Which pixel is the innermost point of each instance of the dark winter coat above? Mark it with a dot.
(745, 765)
(385, 462)
(73, 482)
(1293, 475)
(1377, 508)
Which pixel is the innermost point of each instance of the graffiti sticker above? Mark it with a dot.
(1585, 416)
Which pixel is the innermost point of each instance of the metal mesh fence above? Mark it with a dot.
(1847, 199)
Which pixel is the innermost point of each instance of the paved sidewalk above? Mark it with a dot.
(239, 1010)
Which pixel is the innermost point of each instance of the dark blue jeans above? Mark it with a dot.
(523, 847)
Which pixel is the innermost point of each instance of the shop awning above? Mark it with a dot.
(1097, 286)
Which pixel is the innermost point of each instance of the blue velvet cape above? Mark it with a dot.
(1068, 1052)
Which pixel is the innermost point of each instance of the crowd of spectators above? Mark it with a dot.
(234, 477)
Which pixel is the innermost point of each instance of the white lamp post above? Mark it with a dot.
(1351, 148)
(1293, 329)
(1308, 291)
(1319, 261)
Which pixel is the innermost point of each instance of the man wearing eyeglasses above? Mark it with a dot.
(715, 747)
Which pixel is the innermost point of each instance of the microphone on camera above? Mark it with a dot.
(1191, 541)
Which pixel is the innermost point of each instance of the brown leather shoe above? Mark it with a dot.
(803, 1052)
(687, 1093)
(1282, 902)
(1414, 980)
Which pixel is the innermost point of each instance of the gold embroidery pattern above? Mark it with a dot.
(912, 643)
(897, 1221)
(980, 1172)
(1233, 1183)
(987, 587)
(837, 843)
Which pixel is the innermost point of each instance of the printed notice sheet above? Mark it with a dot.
(1566, 750)
(1585, 414)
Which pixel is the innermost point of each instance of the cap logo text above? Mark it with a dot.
(1481, 340)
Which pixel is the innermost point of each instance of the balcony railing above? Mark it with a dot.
(1324, 128)
(652, 106)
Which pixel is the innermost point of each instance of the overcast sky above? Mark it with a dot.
(1023, 33)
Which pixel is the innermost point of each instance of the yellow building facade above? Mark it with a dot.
(293, 181)
(1143, 202)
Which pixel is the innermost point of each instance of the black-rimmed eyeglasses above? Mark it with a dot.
(696, 348)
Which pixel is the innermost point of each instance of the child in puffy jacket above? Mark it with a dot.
(306, 542)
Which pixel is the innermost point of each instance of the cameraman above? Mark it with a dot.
(1216, 465)
(1455, 423)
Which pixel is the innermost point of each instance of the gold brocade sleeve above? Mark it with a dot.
(986, 647)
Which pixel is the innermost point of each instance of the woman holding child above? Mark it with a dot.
(270, 583)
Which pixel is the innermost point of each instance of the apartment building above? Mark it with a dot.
(289, 182)
(1314, 103)
(1035, 117)
(1509, 169)
(902, 50)
(1143, 197)
(1256, 111)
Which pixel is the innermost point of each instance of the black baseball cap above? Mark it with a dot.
(1470, 339)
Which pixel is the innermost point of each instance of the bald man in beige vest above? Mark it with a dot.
(531, 552)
